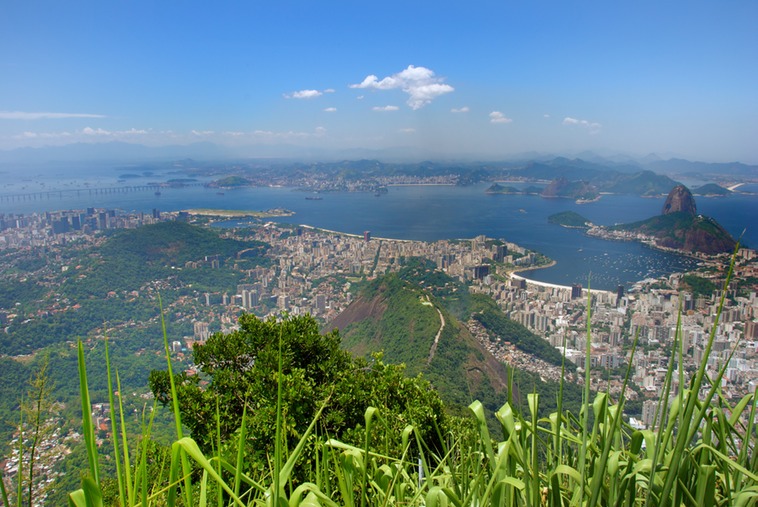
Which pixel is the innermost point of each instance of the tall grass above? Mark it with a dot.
(702, 451)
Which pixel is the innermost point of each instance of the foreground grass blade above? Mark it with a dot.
(690, 424)
(114, 431)
(87, 426)
(177, 413)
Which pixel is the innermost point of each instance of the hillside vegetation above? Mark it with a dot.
(684, 232)
(700, 451)
(401, 315)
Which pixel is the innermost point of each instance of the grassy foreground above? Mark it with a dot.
(701, 451)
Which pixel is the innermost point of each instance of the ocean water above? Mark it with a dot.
(425, 213)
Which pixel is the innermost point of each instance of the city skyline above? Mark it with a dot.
(423, 79)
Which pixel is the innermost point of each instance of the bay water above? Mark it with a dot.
(422, 212)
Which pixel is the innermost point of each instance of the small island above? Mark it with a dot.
(230, 182)
(497, 188)
(711, 190)
(569, 219)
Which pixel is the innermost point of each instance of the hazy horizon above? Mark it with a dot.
(420, 80)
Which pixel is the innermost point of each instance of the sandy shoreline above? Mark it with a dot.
(223, 213)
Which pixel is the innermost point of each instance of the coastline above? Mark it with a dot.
(350, 234)
(420, 185)
(514, 275)
(222, 213)
(522, 269)
(601, 232)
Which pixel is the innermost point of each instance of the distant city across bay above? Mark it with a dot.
(421, 212)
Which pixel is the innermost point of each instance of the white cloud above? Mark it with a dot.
(498, 117)
(546, 116)
(42, 135)
(304, 94)
(89, 131)
(132, 132)
(330, 110)
(385, 108)
(22, 115)
(407, 131)
(201, 133)
(420, 83)
(593, 127)
(464, 109)
(359, 97)
(85, 133)
(272, 136)
(329, 90)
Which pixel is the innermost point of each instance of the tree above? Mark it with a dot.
(36, 427)
(241, 369)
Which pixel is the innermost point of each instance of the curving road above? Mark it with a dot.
(437, 337)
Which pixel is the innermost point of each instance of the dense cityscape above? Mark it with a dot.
(314, 271)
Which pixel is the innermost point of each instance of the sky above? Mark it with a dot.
(439, 79)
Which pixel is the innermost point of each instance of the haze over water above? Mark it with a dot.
(431, 213)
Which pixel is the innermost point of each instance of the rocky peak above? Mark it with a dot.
(680, 199)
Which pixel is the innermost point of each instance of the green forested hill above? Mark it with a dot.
(684, 232)
(393, 316)
(171, 243)
(96, 287)
(402, 320)
(401, 314)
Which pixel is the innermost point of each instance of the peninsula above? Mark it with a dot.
(679, 227)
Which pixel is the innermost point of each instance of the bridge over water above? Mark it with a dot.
(78, 192)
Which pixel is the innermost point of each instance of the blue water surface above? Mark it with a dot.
(426, 213)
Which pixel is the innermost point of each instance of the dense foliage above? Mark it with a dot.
(171, 244)
(316, 373)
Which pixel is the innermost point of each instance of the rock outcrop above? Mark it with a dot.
(680, 200)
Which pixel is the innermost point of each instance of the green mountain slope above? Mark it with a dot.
(171, 243)
(414, 318)
(404, 321)
(641, 183)
(684, 232)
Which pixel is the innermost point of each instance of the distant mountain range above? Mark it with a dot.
(587, 166)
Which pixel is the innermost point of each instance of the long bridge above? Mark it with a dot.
(78, 192)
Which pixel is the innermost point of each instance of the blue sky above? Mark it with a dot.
(452, 79)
